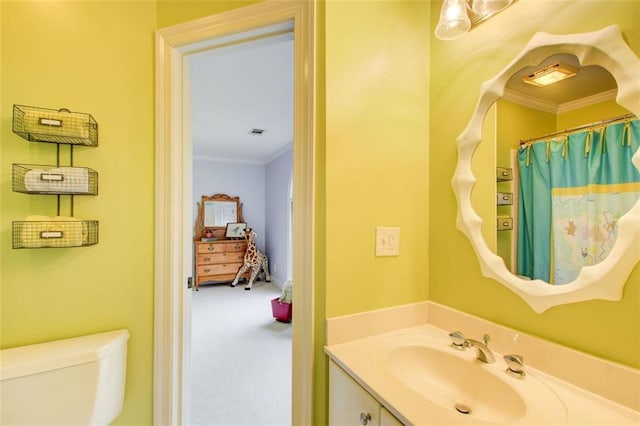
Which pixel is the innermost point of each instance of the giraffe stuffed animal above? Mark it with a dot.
(253, 260)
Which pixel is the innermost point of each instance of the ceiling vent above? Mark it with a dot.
(256, 131)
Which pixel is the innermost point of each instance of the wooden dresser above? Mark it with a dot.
(218, 261)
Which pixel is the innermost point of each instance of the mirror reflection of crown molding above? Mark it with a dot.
(606, 279)
(545, 105)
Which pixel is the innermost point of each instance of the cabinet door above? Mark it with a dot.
(388, 419)
(349, 404)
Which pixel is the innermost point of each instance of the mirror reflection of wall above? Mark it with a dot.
(219, 213)
(534, 114)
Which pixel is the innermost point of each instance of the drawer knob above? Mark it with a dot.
(210, 248)
(207, 259)
(365, 418)
(207, 270)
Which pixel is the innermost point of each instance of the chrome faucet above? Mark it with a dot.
(483, 352)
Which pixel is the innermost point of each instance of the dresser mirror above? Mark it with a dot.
(607, 52)
(214, 213)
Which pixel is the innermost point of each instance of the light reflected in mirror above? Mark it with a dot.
(603, 280)
(553, 135)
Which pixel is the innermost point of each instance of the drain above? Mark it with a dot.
(463, 409)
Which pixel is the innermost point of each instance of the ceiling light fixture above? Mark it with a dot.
(454, 21)
(489, 7)
(457, 16)
(550, 74)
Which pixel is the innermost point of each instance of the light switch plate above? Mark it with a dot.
(387, 241)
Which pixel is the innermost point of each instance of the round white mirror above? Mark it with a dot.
(602, 51)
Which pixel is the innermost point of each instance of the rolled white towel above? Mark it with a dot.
(33, 181)
(75, 179)
(58, 179)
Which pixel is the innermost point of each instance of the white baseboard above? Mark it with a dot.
(277, 282)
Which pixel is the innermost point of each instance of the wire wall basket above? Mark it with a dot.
(55, 126)
(54, 233)
(40, 179)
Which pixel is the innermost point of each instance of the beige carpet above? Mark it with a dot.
(241, 357)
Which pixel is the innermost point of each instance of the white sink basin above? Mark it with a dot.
(459, 383)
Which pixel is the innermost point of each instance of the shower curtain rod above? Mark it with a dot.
(577, 128)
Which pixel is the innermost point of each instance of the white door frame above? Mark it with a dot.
(173, 244)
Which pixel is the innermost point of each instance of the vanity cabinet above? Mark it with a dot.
(218, 260)
(350, 404)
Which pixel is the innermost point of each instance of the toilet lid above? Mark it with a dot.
(33, 359)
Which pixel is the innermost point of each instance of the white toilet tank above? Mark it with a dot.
(77, 381)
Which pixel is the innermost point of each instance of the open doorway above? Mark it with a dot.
(174, 213)
(240, 100)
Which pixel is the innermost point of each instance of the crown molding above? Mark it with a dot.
(554, 108)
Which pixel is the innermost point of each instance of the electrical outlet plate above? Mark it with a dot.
(387, 241)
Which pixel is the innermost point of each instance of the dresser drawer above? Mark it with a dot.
(223, 268)
(221, 247)
(235, 246)
(212, 258)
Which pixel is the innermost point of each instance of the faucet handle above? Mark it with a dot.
(458, 340)
(486, 339)
(515, 365)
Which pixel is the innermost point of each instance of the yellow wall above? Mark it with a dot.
(376, 152)
(457, 69)
(94, 57)
(590, 114)
(171, 12)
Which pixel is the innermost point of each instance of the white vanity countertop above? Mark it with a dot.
(363, 359)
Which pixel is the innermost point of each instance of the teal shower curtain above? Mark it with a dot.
(572, 192)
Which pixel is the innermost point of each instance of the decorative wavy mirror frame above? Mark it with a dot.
(606, 279)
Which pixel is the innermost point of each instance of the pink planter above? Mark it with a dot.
(281, 311)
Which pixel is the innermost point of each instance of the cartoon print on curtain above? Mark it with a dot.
(573, 190)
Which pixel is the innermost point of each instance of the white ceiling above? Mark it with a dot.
(592, 84)
(238, 88)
